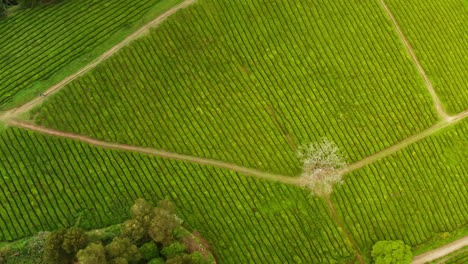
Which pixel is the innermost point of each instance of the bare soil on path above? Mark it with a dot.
(408, 141)
(156, 152)
(338, 222)
(438, 105)
(441, 251)
(14, 112)
(248, 171)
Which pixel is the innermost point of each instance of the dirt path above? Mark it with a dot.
(338, 222)
(408, 141)
(234, 167)
(441, 252)
(438, 105)
(14, 112)
(444, 260)
(156, 152)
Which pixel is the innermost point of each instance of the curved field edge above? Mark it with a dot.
(56, 180)
(232, 103)
(416, 194)
(37, 86)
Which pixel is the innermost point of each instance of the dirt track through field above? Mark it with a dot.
(234, 167)
(14, 112)
(441, 251)
(157, 152)
(338, 222)
(408, 141)
(437, 104)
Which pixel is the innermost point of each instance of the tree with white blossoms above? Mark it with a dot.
(321, 163)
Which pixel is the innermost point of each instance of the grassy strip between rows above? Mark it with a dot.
(63, 58)
(49, 182)
(417, 194)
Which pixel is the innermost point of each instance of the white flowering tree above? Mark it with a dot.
(321, 163)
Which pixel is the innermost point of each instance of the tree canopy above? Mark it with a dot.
(391, 252)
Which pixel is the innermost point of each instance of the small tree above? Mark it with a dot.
(149, 250)
(74, 240)
(123, 248)
(391, 252)
(134, 229)
(162, 226)
(92, 254)
(321, 162)
(173, 250)
(53, 251)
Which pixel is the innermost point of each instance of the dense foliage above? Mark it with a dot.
(37, 42)
(66, 246)
(437, 31)
(391, 252)
(409, 195)
(48, 182)
(248, 81)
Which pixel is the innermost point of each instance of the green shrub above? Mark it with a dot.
(92, 254)
(173, 249)
(53, 251)
(134, 229)
(149, 250)
(162, 226)
(391, 252)
(74, 240)
(122, 247)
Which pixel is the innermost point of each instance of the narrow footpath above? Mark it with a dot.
(437, 104)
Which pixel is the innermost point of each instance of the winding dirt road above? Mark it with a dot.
(408, 141)
(440, 252)
(157, 152)
(437, 104)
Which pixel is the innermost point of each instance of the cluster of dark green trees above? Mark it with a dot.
(151, 236)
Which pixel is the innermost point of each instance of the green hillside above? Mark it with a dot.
(235, 81)
(241, 83)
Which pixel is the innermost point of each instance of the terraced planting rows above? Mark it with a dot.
(437, 33)
(249, 81)
(47, 182)
(38, 42)
(410, 195)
